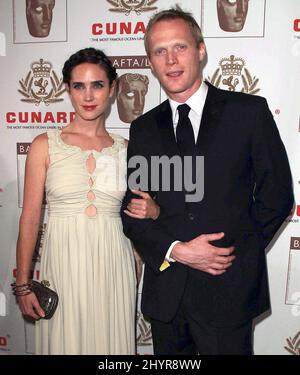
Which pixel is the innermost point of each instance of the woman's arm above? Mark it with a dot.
(35, 176)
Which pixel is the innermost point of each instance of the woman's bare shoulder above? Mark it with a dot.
(39, 144)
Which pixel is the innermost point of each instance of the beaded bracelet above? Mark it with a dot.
(22, 289)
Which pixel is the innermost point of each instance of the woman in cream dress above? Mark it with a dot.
(86, 257)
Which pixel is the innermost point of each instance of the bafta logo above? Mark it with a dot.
(131, 93)
(232, 14)
(128, 6)
(232, 73)
(39, 15)
(41, 84)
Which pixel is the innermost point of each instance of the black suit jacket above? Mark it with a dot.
(247, 195)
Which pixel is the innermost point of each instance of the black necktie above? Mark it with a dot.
(186, 143)
(184, 131)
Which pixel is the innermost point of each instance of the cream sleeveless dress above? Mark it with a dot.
(87, 260)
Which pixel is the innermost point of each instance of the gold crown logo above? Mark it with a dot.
(41, 68)
(232, 66)
(41, 84)
(127, 6)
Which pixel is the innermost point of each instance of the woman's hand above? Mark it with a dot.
(142, 208)
(30, 306)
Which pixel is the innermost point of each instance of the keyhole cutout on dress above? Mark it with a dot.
(91, 210)
(91, 163)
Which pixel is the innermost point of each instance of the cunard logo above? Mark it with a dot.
(293, 344)
(41, 84)
(233, 75)
(128, 6)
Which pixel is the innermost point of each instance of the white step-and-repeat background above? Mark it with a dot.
(259, 57)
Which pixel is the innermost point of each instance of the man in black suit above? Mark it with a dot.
(205, 268)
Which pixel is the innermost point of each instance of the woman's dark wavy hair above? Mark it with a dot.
(92, 56)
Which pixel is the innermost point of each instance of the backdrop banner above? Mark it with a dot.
(259, 55)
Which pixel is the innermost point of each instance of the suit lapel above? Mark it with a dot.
(212, 111)
(166, 130)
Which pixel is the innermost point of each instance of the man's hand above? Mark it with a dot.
(201, 255)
